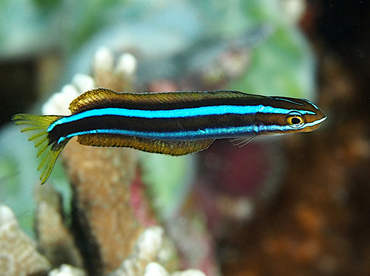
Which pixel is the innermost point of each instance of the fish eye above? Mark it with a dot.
(295, 119)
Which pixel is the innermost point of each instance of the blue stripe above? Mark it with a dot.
(176, 113)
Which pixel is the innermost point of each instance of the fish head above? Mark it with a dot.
(290, 115)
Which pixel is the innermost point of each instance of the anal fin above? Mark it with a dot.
(174, 148)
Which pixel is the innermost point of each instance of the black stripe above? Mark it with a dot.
(148, 125)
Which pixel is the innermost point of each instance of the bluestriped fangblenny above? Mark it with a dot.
(173, 123)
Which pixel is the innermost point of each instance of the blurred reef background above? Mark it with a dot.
(295, 205)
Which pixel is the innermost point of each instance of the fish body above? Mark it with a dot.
(173, 123)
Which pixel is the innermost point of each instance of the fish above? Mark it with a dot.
(172, 123)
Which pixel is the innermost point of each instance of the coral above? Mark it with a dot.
(150, 253)
(18, 254)
(102, 180)
(116, 74)
(155, 269)
(67, 270)
(58, 103)
(54, 239)
(194, 243)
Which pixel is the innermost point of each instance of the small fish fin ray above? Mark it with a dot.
(242, 141)
(174, 148)
(36, 127)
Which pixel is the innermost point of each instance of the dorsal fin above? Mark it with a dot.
(91, 99)
(102, 97)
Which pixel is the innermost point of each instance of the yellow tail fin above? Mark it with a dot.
(37, 126)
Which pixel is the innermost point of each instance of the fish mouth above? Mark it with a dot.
(319, 121)
(313, 122)
(321, 117)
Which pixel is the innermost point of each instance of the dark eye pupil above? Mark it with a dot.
(296, 121)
